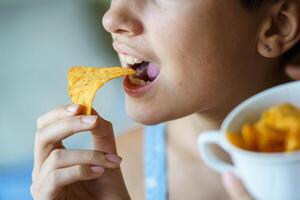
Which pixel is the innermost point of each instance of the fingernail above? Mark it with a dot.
(97, 169)
(89, 119)
(72, 107)
(229, 179)
(114, 158)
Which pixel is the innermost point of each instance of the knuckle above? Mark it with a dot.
(93, 155)
(39, 133)
(56, 155)
(39, 122)
(39, 136)
(79, 119)
(76, 120)
(81, 171)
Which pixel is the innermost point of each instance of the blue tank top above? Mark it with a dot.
(155, 162)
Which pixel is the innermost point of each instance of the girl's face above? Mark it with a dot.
(205, 51)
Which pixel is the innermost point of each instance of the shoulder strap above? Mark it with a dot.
(155, 163)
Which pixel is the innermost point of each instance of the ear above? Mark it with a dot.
(280, 28)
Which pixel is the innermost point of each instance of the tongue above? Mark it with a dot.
(152, 71)
(147, 71)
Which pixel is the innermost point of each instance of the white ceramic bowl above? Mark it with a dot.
(267, 176)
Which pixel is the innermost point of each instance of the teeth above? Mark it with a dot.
(136, 81)
(130, 59)
(137, 60)
(123, 61)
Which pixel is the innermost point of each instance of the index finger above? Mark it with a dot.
(46, 139)
(58, 114)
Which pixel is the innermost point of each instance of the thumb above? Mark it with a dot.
(293, 71)
(103, 136)
(234, 187)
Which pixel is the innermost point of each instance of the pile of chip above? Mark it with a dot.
(85, 81)
(278, 130)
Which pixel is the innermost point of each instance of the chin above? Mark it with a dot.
(145, 118)
(146, 115)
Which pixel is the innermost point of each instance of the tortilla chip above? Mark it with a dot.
(85, 81)
(277, 130)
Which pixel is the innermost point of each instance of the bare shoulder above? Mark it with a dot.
(130, 148)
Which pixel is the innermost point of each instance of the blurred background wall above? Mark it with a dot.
(39, 41)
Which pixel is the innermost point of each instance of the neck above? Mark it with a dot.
(183, 133)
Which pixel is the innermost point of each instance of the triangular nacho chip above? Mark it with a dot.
(85, 81)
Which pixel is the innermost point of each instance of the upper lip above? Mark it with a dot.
(124, 49)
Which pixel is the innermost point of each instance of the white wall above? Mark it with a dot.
(39, 41)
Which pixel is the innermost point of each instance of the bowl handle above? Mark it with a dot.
(205, 140)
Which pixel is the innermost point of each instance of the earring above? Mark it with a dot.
(268, 48)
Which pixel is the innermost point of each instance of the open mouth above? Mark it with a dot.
(146, 72)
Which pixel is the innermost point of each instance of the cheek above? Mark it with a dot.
(186, 71)
(190, 67)
(195, 60)
(187, 49)
(177, 95)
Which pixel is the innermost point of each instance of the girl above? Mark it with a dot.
(196, 61)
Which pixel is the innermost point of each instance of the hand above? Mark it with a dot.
(61, 173)
(235, 188)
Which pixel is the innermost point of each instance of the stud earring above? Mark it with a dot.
(268, 48)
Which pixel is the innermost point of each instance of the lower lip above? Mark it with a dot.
(136, 90)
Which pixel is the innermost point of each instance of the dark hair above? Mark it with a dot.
(251, 5)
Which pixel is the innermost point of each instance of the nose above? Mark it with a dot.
(119, 19)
